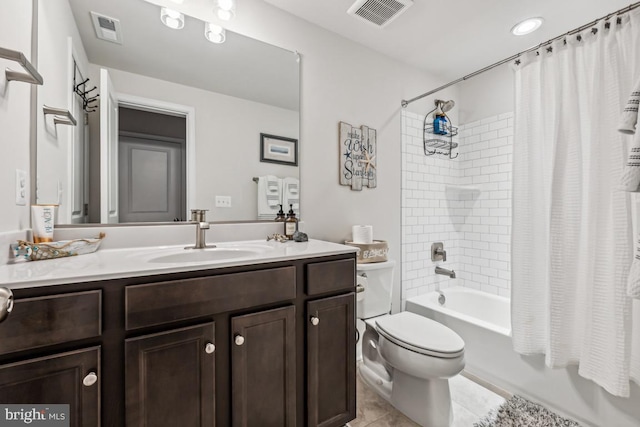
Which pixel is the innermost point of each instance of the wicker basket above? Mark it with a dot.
(371, 252)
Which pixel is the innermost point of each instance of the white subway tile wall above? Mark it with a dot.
(464, 202)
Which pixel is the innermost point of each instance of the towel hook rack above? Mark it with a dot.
(61, 117)
(31, 76)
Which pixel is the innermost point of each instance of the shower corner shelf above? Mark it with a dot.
(435, 143)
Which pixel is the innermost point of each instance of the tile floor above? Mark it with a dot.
(471, 402)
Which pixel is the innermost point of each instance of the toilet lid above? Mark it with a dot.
(420, 334)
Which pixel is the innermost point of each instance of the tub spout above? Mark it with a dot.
(444, 271)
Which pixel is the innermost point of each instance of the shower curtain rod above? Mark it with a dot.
(632, 6)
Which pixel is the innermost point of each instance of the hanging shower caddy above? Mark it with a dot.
(439, 142)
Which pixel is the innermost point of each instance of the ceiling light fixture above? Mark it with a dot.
(172, 18)
(527, 26)
(178, 1)
(214, 33)
(226, 9)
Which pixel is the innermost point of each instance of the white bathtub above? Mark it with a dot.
(484, 322)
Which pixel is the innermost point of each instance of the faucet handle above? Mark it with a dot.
(437, 252)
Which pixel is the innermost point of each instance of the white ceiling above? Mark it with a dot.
(241, 67)
(452, 38)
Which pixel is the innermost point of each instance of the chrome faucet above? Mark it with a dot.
(445, 272)
(199, 217)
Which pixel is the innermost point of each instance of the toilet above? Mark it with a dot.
(406, 358)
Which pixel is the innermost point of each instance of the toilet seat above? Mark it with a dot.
(420, 334)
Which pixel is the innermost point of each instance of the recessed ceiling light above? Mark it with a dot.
(172, 18)
(226, 9)
(214, 33)
(527, 26)
(178, 1)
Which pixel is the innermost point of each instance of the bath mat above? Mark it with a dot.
(519, 412)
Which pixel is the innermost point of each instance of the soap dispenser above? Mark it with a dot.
(280, 215)
(290, 224)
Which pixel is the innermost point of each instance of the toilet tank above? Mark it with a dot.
(376, 298)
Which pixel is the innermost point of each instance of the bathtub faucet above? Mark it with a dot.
(445, 272)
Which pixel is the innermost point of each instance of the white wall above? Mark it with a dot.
(15, 104)
(487, 95)
(227, 139)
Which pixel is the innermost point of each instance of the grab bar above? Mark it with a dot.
(60, 114)
(31, 76)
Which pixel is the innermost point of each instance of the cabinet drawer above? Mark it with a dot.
(54, 319)
(158, 303)
(331, 276)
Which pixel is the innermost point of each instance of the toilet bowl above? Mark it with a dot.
(408, 358)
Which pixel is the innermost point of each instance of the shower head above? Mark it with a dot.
(444, 106)
(448, 105)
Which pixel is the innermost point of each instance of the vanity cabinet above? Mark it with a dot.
(57, 377)
(263, 345)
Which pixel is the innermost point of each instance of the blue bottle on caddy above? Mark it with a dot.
(440, 125)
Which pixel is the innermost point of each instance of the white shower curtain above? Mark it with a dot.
(572, 234)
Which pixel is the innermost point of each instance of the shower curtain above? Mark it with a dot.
(572, 231)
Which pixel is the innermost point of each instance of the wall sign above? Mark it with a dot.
(358, 150)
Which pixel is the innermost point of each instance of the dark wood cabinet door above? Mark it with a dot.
(57, 379)
(331, 359)
(263, 369)
(169, 378)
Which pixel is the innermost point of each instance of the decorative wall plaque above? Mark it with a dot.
(358, 150)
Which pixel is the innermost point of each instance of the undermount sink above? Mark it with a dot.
(208, 254)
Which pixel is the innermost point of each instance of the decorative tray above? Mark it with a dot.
(50, 250)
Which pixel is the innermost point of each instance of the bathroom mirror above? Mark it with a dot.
(178, 121)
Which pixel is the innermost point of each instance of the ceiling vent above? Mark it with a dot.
(379, 12)
(107, 28)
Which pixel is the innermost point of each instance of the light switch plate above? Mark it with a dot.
(21, 187)
(223, 201)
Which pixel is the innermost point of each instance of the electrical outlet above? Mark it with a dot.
(21, 187)
(223, 201)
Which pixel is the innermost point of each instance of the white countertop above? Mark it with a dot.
(133, 262)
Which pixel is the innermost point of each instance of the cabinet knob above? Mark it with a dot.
(209, 348)
(6, 303)
(239, 340)
(314, 320)
(90, 379)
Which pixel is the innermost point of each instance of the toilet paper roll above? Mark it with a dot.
(361, 281)
(362, 234)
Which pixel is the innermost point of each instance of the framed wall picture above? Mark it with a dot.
(278, 149)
